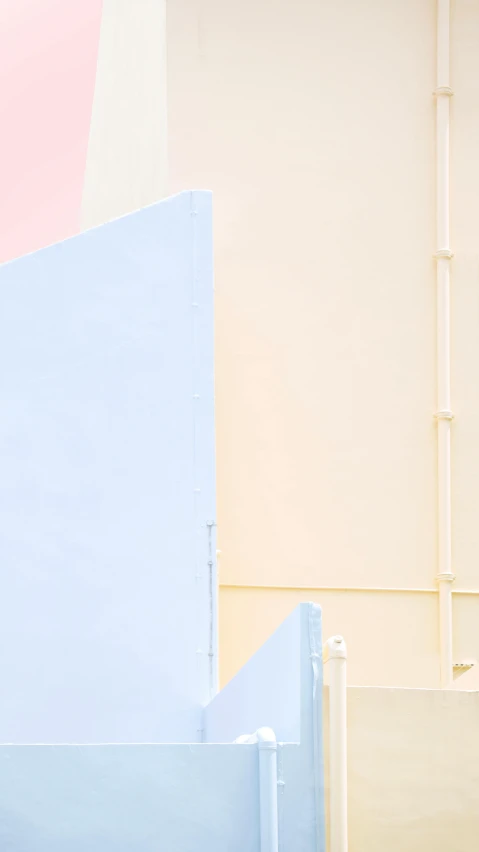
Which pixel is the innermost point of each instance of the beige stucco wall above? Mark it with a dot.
(413, 770)
(314, 125)
(392, 637)
(465, 289)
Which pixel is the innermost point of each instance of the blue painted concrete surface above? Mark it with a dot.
(107, 540)
(150, 797)
(108, 481)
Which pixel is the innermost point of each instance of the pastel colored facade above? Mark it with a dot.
(107, 495)
(315, 126)
(315, 129)
(108, 572)
(113, 734)
(413, 769)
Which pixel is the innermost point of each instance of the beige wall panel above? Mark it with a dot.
(313, 124)
(465, 290)
(405, 748)
(465, 611)
(391, 638)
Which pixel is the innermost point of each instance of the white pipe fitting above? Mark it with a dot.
(335, 655)
(444, 414)
(268, 785)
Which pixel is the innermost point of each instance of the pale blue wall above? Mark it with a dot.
(186, 798)
(106, 491)
(266, 692)
(107, 481)
(129, 799)
(148, 798)
(277, 688)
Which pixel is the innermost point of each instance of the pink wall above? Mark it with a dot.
(48, 54)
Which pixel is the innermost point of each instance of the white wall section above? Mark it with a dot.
(335, 656)
(127, 154)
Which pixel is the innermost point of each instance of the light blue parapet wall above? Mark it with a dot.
(107, 485)
(281, 688)
(186, 798)
(266, 692)
(156, 798)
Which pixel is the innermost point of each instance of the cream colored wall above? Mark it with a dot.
(413, 770)
(127, 153)
(314, 125)
(392, 637)
(465, 290)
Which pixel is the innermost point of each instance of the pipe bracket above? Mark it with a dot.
(444, 414)
(444, 253)
(459, 669)
(446, 577)
(446, 91)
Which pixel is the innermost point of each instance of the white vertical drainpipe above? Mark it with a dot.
(268, 786)
(335, 655)
(445, 576)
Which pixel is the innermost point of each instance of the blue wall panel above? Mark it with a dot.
(107, 481)
(186, 798)
(129, 798)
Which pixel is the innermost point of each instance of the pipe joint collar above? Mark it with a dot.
(446, 577)
(266, 739)
(444, 414)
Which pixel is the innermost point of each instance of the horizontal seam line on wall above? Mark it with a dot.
(341, 589)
